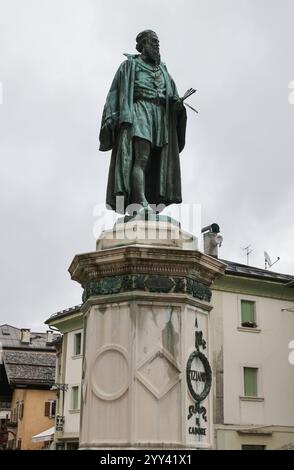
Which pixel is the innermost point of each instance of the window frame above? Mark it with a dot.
(72, 408)
(75, 354)
(246, 298)
(255, 369)
(53, 403)
(259, 382)
(253, 303)
(21, 410)
(49, 407)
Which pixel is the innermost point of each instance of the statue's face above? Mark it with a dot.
(151, 48)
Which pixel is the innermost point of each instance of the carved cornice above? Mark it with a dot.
(135, 260)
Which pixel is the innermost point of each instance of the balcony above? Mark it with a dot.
(5, 405)
(5, 408)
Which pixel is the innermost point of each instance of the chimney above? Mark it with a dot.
(50, 337)
(25, 335)
(212, 240)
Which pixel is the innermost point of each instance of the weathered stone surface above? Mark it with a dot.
(144, 305)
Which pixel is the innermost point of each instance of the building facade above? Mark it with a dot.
(27, 372)
(252, 324)
(68, 380)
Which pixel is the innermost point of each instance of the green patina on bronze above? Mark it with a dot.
(147, 283)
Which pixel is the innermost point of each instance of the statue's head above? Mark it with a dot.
(148, 45)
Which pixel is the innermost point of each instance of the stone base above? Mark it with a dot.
(164, 233)
(146, 376)
(136, 354)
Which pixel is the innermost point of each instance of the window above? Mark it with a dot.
(248, 314)
(72, 446)
(19, 444)
(253, 447)
(250, 381)
(13, 416)
(20, 410)
(50, 408)
(53, 409)
(77, 344)
(75, 398)
(5, 330)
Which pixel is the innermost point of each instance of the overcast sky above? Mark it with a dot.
(57, 60)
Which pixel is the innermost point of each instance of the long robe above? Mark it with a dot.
(163, 175)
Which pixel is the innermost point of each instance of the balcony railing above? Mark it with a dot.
(5, 405)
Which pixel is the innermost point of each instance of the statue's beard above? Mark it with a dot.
(152, 53)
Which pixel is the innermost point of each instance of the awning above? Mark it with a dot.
(44, 436)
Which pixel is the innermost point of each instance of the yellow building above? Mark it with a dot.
(27, 374)
(33, 412)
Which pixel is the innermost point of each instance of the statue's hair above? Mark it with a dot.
(140, 38)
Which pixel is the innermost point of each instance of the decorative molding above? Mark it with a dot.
(244, 398)
(248, 330)
(147, 298)
(155, 385)
(145, 260)
(97, 385)
(147, 283)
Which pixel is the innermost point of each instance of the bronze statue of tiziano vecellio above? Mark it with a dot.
(144, 124)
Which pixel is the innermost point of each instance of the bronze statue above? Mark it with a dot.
(144, 124)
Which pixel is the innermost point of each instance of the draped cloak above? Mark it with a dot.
(163, 176)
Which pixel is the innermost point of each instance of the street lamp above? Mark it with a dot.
(60, 418)
(59, 386)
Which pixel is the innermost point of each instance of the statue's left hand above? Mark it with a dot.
(178, 104)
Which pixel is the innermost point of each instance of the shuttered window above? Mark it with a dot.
(78, 344)
(47, 408)
(21, 407)
(50, 408)
(248, 313)
(75, 398)
(53, 409)
(250, 381)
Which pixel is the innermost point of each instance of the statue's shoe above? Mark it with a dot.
(145, 207)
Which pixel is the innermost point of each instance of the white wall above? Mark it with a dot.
(267, 350)
(73, 376)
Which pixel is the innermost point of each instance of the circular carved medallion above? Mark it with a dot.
(110, 373)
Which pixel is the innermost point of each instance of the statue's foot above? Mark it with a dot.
(144, 210)
(146, 207)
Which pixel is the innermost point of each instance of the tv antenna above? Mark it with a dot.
(268, 262)
(248, 250)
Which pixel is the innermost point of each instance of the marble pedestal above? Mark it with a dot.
(146, 374)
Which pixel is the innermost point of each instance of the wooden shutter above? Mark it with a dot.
(250, 381)
(247, 312)
(47, 408)
(21, 410)
(78, 340)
